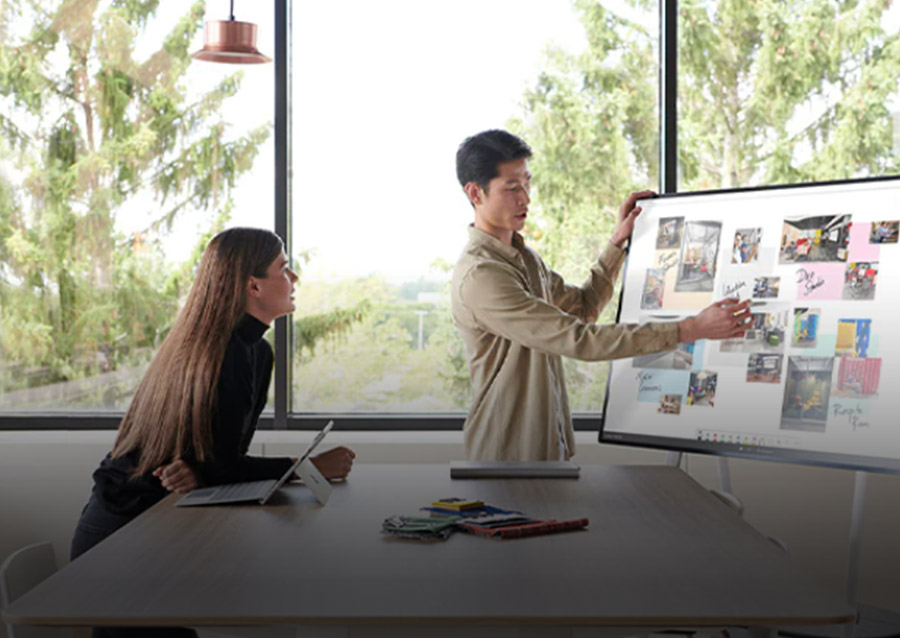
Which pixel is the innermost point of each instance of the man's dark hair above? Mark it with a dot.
(479, 156)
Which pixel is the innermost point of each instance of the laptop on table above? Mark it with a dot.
(261, 491)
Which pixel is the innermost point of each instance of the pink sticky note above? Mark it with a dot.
(859, 248)
(820, 280)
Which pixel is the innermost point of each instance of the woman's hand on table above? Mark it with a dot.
(177, 476)
(335, 463)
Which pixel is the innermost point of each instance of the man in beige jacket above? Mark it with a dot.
(518, 318)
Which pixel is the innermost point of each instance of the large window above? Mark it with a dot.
(121, 155)
(380, 104)
(786, 92)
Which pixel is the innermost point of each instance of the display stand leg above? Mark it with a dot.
(673, 459)
(871, 622)
(724, 475)
(856, 531)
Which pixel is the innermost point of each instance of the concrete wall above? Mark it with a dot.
(45, 480)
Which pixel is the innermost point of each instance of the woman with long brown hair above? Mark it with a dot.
(195, 411)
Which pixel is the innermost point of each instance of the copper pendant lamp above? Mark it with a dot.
(231, 42)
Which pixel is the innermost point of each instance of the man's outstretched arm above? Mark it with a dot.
(499, 303)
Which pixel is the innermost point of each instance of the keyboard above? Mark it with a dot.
(244, 491)
(230, 493)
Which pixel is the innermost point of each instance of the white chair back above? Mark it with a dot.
(20, 572)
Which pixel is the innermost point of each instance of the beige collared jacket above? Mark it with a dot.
(518, 319)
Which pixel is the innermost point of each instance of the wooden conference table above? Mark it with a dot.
(660, 552)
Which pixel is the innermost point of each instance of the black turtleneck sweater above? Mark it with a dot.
(242, 391)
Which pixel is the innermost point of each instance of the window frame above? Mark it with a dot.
(283, 417)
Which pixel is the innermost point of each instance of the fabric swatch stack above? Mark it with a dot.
(475, 517)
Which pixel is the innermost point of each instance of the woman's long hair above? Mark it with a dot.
(172, 410)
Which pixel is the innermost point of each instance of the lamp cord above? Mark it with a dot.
(232, 10)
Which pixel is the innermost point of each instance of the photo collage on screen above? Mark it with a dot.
(825, 369)
(832, 371)
(683, 275)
